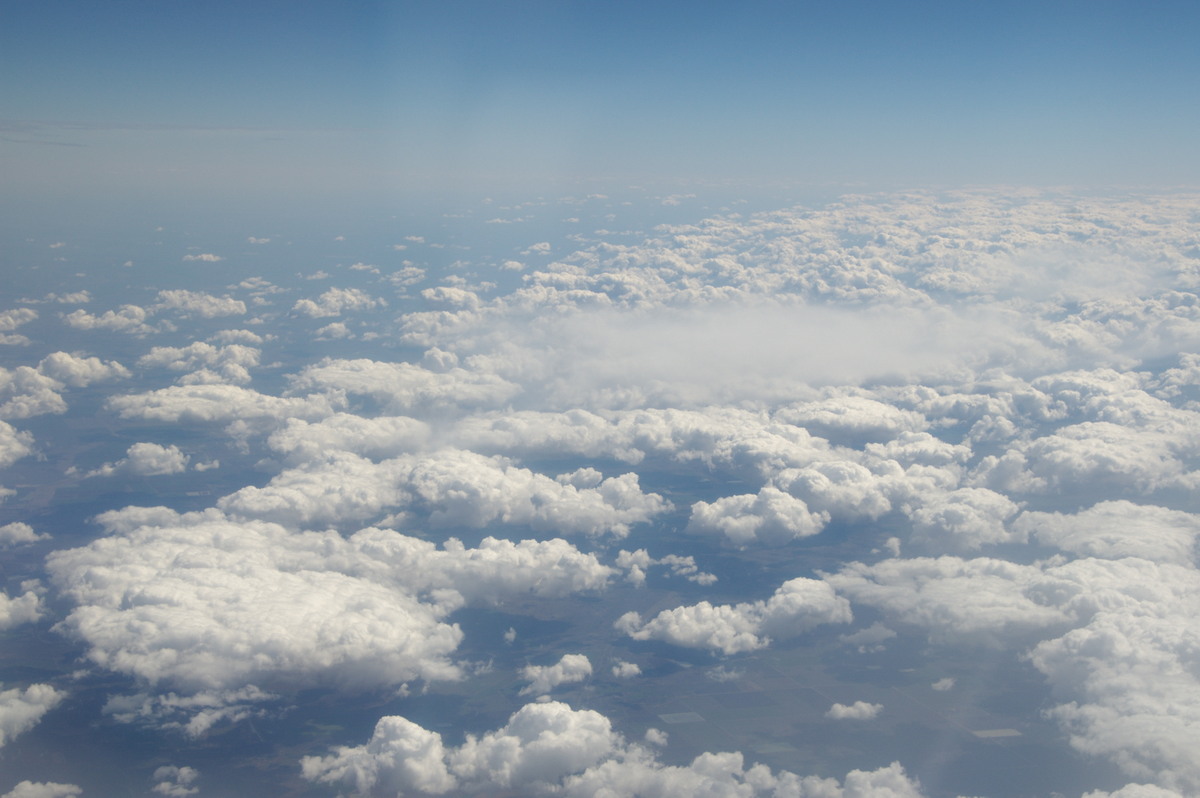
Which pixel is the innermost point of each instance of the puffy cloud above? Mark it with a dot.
(380, 437)
(197, 303)
(126, 319)
(219, 403)
(232, 362)
(335, 301)
(212, 608)
(771, 516)
(798, 605)
(859, 710)
(549, 747)
(544, 678)
(852, 419)
(637, 562)
(400, 386)
(12, 319)
(203, 257)
(964, 519)
(25, 608)
(626, 670)
(145, 460)
(78, 371)
(13, 444)
(43, 789)
(20, 710)
(17, 533)
(453, 487)
(176, 781)
(1115, 529)
(26, 392)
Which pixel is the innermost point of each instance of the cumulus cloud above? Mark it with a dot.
(17, 533)
(175, 781)
(450, 487)
(210, 608)
(145, 460)
(203, 257)
(14, 444)
(79, 372)
(27, 607)
(11, 320)
(544, 678)
(20, 710)
(859, 710)
(1115, 529)
(129, 319)
(231, 362)
(199, 304)
(336, 301)
(798, 605)
(43, 789)
(549, 747)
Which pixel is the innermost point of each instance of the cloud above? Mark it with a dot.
(549, 747)
(176, 781)
(145, 460)
(1116, 529)
(43, 789)
(79, 372)
(14, 444)
(12, 319)
(17, 533)
(232, 363)
(129, 319)
(200, 609)
(772, 516)
(798, 605)
(544, 678)
(452, 488)
(859, 710)
(197, 303)
(25, 608)
(203, 257)
(20, 710)
(335, 301)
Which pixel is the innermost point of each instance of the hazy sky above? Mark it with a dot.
(278, 97)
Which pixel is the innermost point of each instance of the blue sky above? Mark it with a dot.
(317, 96)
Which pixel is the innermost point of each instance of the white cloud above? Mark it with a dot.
(203, 257)
(79, 372)
(20, 710)
(14, 444)
(626, 670)
(772, 516)
(859, 710)
(232, 362)
(452, 487)
(25, 608)
(176, 781)
(211, 608)
(549, 747)
(798, 605)
(197, 303)
(126, 319)
(335, 301)
(145, 460)
(1115, 529)
(17, 533)
(43, 789)
(12, 319)
(544, 678)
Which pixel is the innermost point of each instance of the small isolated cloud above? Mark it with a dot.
(12, 319)
(798, 605)
(198, 303)
(43, 789)
(544, 678)
(176, 781)
(335, 301)
(145, 460)
(20, 710)
(204, 257)
(942, 685)
(17, 533)
(859, 710)
(626, 670)
(254, 240)
(869, 640)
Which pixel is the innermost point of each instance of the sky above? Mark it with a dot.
(630, 399)
(228, 98)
